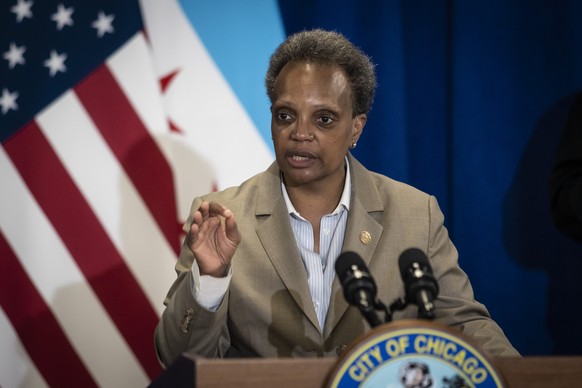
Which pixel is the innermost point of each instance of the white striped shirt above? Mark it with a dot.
(320, 266)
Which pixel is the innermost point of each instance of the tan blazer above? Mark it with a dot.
(268, 312)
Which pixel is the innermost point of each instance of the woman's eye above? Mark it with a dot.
(326, 119)
(283, 116)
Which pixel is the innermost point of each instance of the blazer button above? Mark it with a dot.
(340, 349)
(185, 324)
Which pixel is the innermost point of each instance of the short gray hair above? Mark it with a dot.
(327, 48)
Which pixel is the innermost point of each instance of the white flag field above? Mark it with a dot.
(114, 115)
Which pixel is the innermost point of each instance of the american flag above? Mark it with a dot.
(101, 153)
(88, 217)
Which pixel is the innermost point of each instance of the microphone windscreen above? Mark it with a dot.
(412, 255)
(345, 261)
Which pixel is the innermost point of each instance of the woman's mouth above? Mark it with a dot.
(300, 159)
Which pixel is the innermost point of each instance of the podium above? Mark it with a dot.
(190, 371)
(394, 347)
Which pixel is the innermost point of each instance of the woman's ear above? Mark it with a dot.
(359, 123)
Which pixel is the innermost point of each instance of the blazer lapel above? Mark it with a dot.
(362, 235)
(277, 238)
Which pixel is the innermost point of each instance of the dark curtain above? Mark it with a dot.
(471, 104)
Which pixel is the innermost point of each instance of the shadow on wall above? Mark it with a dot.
(534, 242)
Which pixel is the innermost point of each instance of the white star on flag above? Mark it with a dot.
(56, 63)
(8, 101)
(103, 24)
(63, 16)
(15, 55)
(22, 10)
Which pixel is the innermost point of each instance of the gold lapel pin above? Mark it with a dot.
(365, 237)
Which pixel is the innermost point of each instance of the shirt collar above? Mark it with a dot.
(344, 200)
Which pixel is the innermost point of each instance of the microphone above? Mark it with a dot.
(420, 284)
(358, 285)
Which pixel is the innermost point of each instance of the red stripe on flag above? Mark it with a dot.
(87, 241)
(36, 326)
(134, 147)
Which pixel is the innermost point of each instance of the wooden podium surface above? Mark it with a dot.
(531, 372)
(527, 372)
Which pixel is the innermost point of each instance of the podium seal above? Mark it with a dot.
(413, 354)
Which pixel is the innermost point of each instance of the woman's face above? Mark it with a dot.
(312, 123)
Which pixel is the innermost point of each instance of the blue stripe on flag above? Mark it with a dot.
(241, 36)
